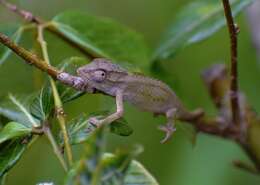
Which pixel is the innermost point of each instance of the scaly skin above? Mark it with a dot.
(146, 93)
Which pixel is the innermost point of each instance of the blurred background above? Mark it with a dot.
(209, 162)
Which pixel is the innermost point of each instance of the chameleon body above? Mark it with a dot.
(146, 93)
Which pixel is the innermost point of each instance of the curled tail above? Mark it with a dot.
(189, 116)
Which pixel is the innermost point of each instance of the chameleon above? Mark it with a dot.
(146, 93)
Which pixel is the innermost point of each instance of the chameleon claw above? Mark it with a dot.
(168, 129)
(95, 122)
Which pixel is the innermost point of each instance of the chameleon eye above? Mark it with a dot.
(99, 75)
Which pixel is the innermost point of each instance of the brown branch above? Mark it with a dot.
(29, 17)
(28, 57)
(233, 31)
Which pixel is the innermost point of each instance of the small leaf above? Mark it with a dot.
(17, 108)
(10, 152)
(45, 183)
(190, 132)
(42, 104)
(120, 127)
(11, 31)
(70, 66)
(114, 166)
(13, 130)
(80, 130)
(103, 37)
(138, 175)
(196, 22)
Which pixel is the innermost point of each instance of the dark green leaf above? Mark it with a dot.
(11, 31)
(10, 152)
(120, 127)
(70, 66)
(103, 37)
(196, 22)
(42, 104)
(13, 130)
(18, 109)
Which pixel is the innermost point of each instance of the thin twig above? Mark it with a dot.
(56, 96)
(233, 31)
(28, 16)
(55, 147)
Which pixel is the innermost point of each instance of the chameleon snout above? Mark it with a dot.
(82, 72)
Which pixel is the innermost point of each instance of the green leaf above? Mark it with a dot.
(10, 152)
(80, 130)
(13, 130)
(112, 169)
(42, 104)
(12, 31)
(103, 37)
(70, 66)
(196, 22)
(138, 175)
(17, 108)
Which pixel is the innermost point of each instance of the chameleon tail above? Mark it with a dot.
(194, 115)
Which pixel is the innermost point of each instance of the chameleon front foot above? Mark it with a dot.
(96, 122)
(168, 129)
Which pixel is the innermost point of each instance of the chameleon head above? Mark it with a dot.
(94, 71)
(97, 71)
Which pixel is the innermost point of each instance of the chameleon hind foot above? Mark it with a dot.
(168, 129)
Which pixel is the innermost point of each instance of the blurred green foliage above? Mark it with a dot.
(178, 163)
